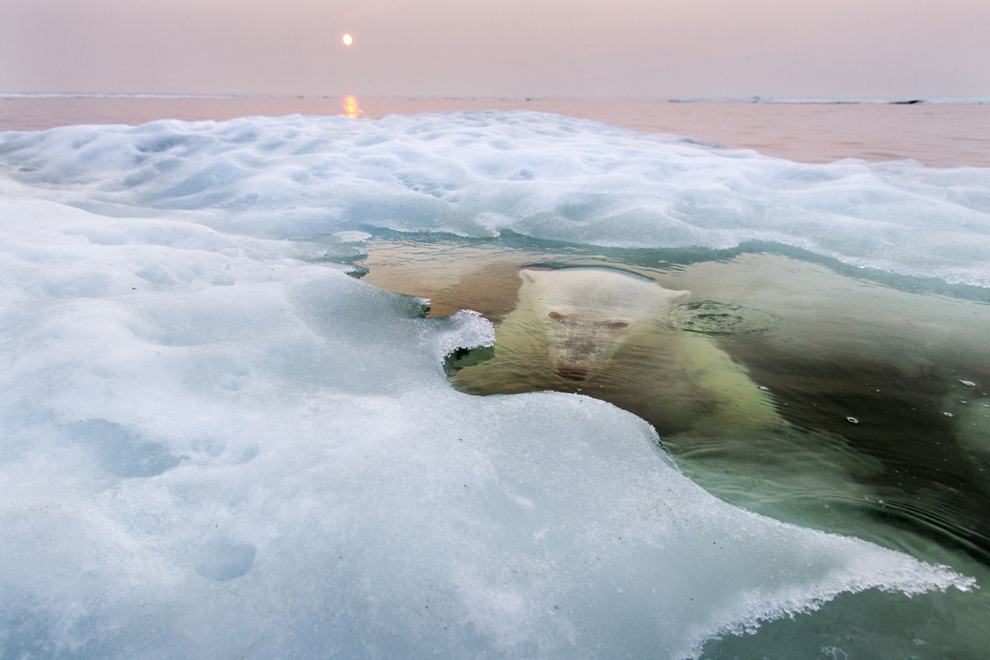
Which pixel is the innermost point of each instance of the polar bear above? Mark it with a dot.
(606, 333)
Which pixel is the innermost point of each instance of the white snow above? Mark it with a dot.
(215, 443)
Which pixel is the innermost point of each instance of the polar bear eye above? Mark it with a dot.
(616, 325)
(556, 316)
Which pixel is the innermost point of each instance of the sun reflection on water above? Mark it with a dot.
(352, 108)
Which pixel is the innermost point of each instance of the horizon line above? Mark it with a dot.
(756, 98)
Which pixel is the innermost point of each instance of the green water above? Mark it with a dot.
(789, 387)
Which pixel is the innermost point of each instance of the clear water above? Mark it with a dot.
(782, 386)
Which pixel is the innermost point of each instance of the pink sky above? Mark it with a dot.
(582, 48)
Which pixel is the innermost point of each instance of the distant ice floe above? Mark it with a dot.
(906, 100)
(213, 442)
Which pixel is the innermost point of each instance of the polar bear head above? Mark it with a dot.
(588, 312)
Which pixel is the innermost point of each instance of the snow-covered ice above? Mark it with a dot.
(214, 442)
(550, 177)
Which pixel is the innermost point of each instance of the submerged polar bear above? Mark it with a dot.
(606, 333)
(591, 312)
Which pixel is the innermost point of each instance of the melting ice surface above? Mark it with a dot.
(213, 442)
(545, 176)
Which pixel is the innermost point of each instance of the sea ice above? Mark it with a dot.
(213, 442)
(545, 176)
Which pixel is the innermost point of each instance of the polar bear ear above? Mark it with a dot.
(674, 295)
(528, 275)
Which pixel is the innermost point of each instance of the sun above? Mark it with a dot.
(347, 39)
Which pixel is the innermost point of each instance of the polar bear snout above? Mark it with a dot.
(580, 341)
